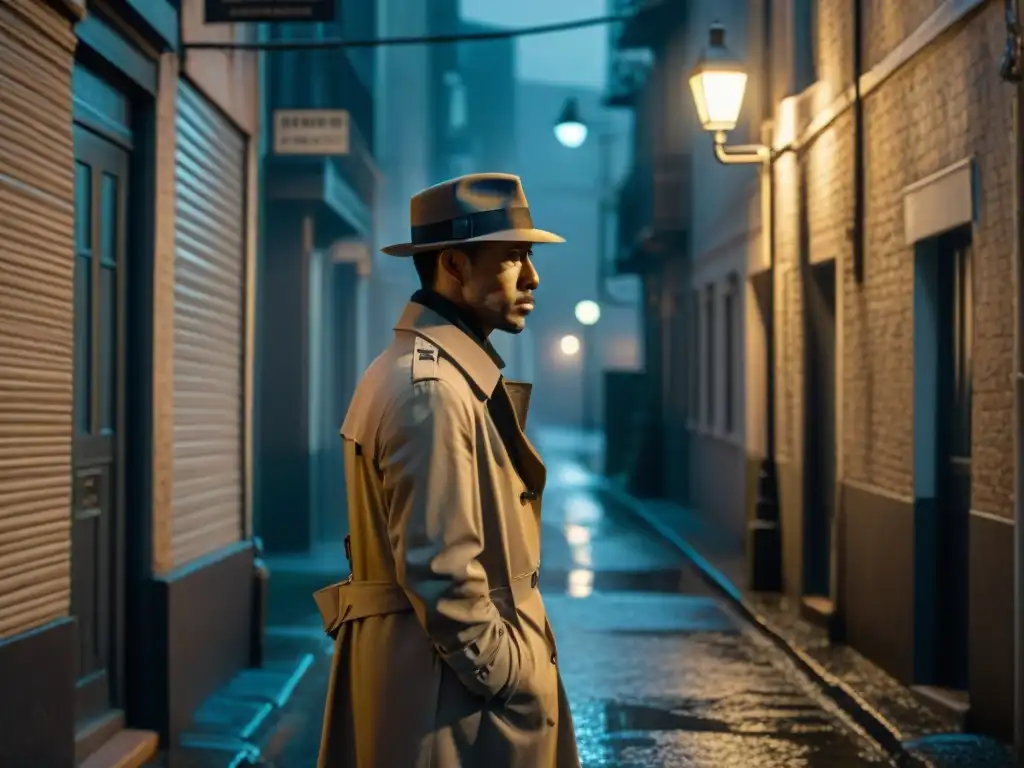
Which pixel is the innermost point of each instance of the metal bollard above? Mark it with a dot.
(260, 597)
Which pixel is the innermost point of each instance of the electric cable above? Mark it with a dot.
(465, 37)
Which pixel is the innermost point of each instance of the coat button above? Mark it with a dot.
(527, 496)
(551, 722)
(554, 658)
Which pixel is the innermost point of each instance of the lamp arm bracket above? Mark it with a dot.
(740, 153)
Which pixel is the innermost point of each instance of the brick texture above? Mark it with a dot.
(945, 104)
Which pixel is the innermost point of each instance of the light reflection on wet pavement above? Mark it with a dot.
(658, 671)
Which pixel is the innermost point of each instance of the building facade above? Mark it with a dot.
(128, 182)
(405, 114)
(652, 241)
(317, 233)
(895, 237)
(877, 249)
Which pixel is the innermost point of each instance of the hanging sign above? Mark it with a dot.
(253, 11)
(311, 132)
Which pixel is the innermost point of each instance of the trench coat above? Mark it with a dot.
(443, 654)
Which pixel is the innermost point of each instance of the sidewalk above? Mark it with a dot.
(887, 710)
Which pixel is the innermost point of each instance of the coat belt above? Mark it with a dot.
(351, 600)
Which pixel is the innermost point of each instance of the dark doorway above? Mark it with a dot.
(819, 433)
(953, 438)
(97, 562)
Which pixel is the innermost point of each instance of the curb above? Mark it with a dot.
(880, 730)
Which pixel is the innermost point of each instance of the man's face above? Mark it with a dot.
(498, 281)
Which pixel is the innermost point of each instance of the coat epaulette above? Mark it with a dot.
(426, 360)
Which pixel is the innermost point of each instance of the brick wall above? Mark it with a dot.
(944, 104)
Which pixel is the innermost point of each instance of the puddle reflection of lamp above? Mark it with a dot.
(578, 538)
(577, 535)
(581, 583)
(582, 509)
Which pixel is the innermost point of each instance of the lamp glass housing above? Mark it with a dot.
(718, 83)
(718, 96)
(571, 134)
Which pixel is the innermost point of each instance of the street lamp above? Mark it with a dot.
(570, 131)
(718, 82)
(588, 313)
(569, 344)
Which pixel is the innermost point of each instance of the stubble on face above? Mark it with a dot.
(503, 281)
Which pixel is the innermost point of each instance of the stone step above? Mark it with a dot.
(125, 749)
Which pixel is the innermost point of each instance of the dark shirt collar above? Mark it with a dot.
(458, 317)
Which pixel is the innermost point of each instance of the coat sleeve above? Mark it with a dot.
(428, 462)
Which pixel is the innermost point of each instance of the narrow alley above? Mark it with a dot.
(658, 670)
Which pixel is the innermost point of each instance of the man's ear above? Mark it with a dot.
(455, 263)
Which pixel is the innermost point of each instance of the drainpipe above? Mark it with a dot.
(837, 628)
(1018, 506)
(766, 527)
(1010, 71)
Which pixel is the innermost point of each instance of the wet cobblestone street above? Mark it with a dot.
(659, 672)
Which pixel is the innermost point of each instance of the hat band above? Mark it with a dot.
(473, 225)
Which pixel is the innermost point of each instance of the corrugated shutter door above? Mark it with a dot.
(36, 313)
(208, 330)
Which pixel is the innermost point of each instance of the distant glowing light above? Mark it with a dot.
(588, 312)
(577, 535)
(570, 130)
(571, 134)
(570, 345)
(581, 583)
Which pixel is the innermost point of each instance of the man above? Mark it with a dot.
(443, 654)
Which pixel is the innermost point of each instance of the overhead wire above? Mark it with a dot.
(460, 37)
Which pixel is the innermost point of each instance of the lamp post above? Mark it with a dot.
(572, 132)
(587, 314)
(718, 82)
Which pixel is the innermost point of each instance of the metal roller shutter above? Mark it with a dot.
(208, 329)
(36, 288)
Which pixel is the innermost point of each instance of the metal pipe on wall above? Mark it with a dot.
(837, 627)
(765, 534)
(1011, 72)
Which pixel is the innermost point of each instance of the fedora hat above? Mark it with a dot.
(476, 208)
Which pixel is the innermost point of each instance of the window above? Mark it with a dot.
(805, 44)
(709, 356)
(731, 345)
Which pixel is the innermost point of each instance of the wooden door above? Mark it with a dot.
(101, 179)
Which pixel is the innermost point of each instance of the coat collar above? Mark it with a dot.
(465, 351)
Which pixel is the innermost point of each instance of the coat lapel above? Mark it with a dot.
(517, 395)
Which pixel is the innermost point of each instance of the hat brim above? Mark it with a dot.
(504, 236)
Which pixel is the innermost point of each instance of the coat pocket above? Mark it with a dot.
(535, 699)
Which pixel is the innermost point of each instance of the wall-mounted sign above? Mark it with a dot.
(228, 11)
(311, 132)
